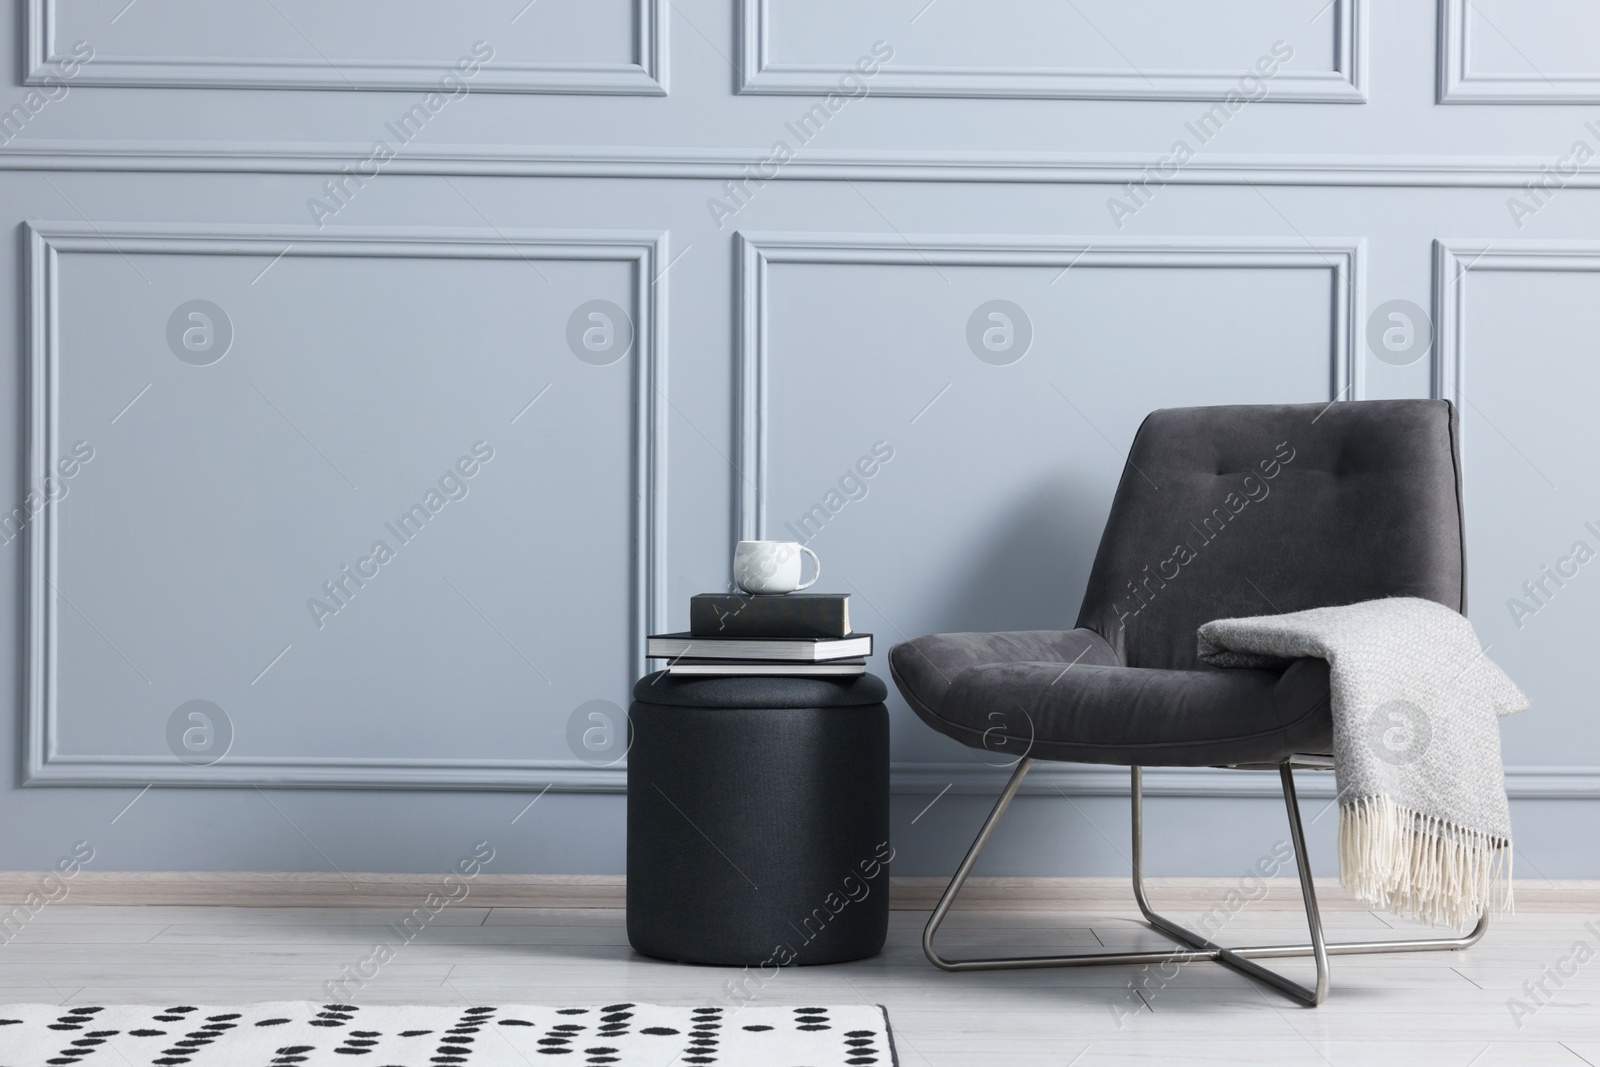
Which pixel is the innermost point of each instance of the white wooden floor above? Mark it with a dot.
(1426, 1009)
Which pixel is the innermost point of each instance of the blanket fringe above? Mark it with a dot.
(1421, 866)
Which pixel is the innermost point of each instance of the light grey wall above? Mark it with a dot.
(400, 217)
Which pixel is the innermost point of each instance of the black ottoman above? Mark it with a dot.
(758, 819)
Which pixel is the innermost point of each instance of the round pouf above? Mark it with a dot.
(758, 819)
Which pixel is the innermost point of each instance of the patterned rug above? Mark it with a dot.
(304, 1034)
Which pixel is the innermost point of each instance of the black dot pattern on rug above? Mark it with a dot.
(861, 1048)
(558, 1041)
(73, 1021)
(334, 1015)
(703, 1036)
(811, 1019)
(358, 1043)
(610, 1036)
(455, 1044)
(614, 1021)
(185, 1048)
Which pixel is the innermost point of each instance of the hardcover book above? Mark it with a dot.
(794, 650)
(789, 615)
(706, 668)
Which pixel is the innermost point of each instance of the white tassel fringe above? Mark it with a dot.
(1420, 866)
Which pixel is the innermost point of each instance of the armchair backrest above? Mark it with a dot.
(1262, 509)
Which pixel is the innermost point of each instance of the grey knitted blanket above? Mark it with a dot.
(1424, 828)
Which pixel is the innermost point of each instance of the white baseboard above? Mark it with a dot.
(319, 890)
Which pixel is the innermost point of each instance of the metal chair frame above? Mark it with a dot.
(1198, 947)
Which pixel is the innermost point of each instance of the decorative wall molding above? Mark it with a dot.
(47, 241)
(1453, 261)
(1449, 305)
(1459, 84)
(592, 161)
(907, 779)
(756, 251)
(645, 76)
(1346, 83)
(1083, 780)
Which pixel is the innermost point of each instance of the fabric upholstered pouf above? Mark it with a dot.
(758, 819)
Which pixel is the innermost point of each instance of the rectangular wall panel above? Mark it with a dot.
(558, 46)
(1097, 49)
(1517, 51)
(991, 386)
(1512, 357)
(291, 500)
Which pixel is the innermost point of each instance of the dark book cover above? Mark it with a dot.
(785, 615)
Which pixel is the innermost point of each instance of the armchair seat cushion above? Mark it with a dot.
(1064, 695)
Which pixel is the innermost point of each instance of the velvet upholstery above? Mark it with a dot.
(1221, 512)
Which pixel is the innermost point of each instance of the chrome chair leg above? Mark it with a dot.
(1231, 957)
(1198, 947)
(941, 909)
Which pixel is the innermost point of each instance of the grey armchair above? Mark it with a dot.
(1221, 512)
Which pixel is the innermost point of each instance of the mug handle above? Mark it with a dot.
(815, 562)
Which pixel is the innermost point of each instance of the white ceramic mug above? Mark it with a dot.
(767, 567)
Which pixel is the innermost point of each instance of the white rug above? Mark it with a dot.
(304, 1034)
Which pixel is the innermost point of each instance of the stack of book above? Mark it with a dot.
(788, 634)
